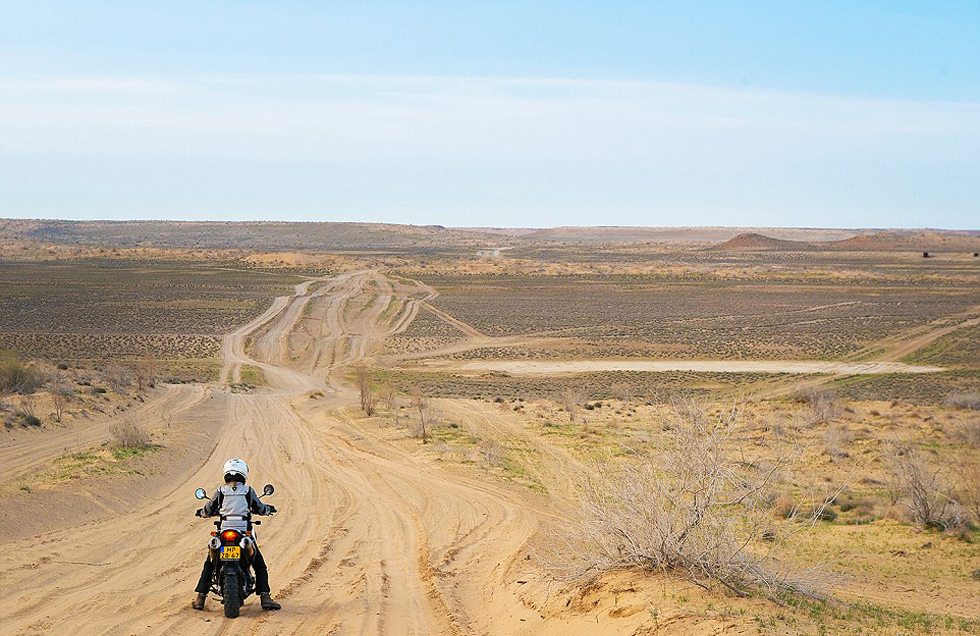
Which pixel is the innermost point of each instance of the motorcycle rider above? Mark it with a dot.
(236, 503)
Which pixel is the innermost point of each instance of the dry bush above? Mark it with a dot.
(570, 400)
(492, 454)
(365, 388)
(129, 434)
(694, 508)
(835, 441)
(146, 372)
(824, 403)
(922, 488)
(967, 475)
(423, 409)
(17, 377)
(964, 401)
(388, 396)
(621, 391)
(61, 394)
(118, 377)
(969, 433)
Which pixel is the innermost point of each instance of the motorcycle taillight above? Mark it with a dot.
(231, 536)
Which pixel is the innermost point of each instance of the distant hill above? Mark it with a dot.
(928, 241)
(707, 234)
(753, 241)
(893, 241)
(275, 236)
(269, 236)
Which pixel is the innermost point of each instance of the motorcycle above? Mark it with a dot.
(231, 551)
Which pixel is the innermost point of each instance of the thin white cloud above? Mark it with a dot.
(664, 141)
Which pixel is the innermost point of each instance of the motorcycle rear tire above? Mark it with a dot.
(232, 593)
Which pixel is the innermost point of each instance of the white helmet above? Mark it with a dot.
(236, 467)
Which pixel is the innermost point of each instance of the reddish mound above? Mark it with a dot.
(752, 241)
(911, 242)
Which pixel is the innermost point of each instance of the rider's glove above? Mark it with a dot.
(272, 510)
(199, 513)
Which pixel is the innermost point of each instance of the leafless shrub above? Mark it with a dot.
(129, 434)
(964, 401)
(365, 388)
(423, 409)
(969, 433)
(570, 400)
(146, 372)
(118, 377)
(824, 403)
(388, 396)
(835, 441)
(61, 394)
(967, 475)
(922, 488)
(491, 454)
(621, 391)
(696, 509)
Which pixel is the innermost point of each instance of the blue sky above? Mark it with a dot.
(850, 114)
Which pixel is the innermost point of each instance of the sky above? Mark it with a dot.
(512, 114)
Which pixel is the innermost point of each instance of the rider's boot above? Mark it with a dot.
(198, 603)
(268, 603)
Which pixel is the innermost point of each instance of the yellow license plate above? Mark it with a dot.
(231, 553)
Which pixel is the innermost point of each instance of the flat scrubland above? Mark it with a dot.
(92, 311)
(454, 501)
(647, 316)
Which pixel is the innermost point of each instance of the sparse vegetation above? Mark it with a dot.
(156, 318)
(692, 509)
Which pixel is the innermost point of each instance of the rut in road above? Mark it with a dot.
(370, 539)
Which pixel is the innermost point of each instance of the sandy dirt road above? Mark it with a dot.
(371, 538)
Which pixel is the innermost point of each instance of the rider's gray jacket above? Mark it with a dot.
(235, 504)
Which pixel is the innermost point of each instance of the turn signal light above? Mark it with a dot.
(214, 534)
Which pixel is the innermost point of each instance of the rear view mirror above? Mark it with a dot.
(200, 493)
(268, 489)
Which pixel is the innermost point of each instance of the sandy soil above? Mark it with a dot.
(539, 367)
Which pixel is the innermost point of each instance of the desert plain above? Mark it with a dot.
(482, 431)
